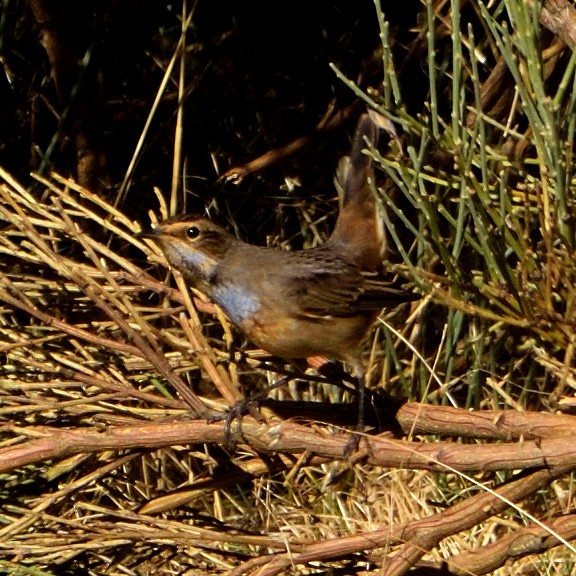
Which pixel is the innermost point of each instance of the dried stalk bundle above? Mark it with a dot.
(84, 328)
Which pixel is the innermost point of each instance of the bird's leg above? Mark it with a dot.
(242, 407)
(353, 443)
(250, 403)
(362, 399)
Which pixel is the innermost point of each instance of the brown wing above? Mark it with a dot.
(325, 285)
(377, 292)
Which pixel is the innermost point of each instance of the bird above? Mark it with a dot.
(305, 303)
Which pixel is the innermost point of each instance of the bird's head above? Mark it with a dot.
(192, 245)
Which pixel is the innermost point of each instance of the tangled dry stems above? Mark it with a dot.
(94, 343)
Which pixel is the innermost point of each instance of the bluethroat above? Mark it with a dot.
(300, 304)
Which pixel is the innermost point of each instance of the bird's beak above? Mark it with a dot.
(148, 233)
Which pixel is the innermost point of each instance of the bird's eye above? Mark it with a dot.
(193, 232)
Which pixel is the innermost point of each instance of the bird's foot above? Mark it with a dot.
(352, 445)
(241, 408)
(237, 412)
